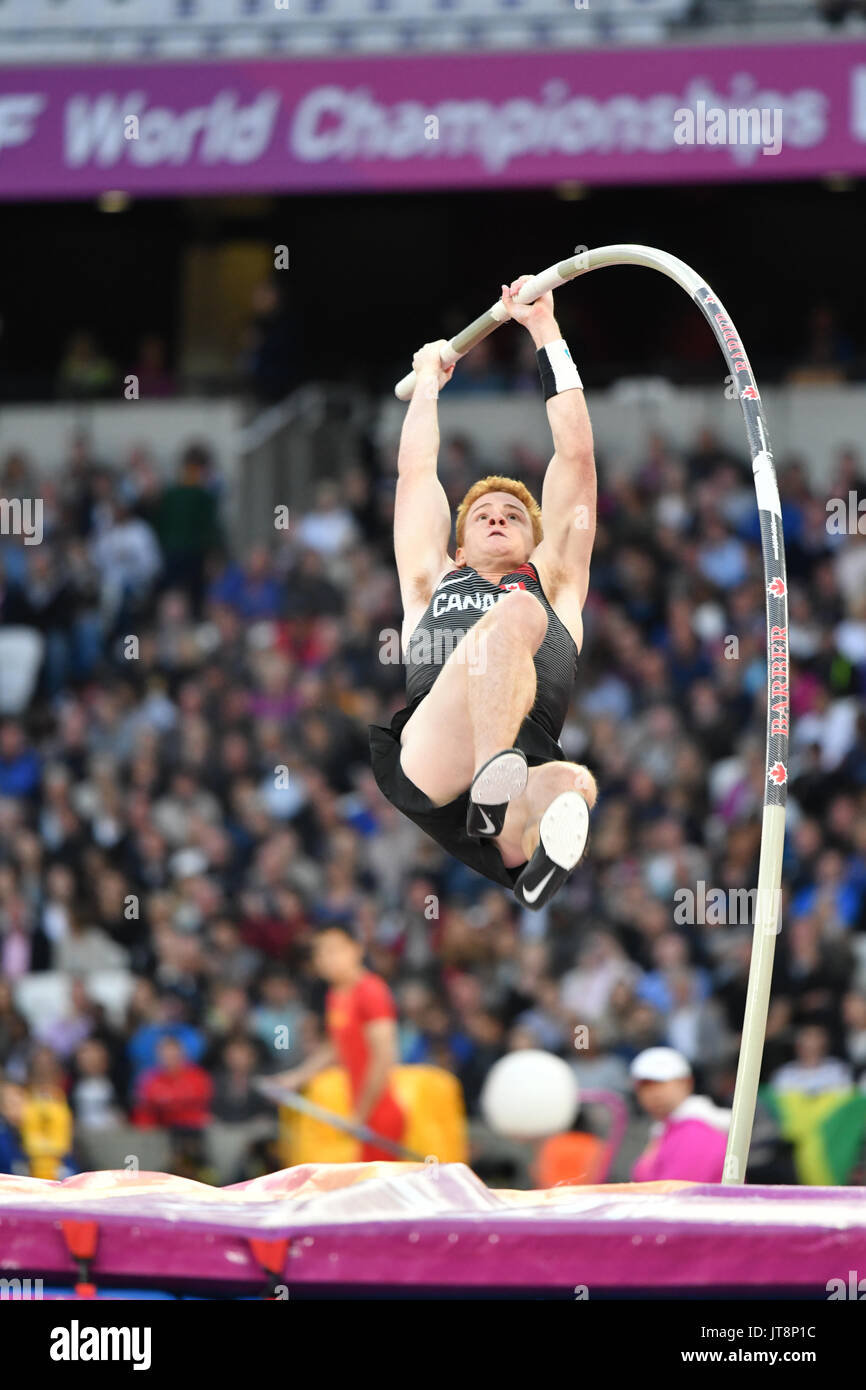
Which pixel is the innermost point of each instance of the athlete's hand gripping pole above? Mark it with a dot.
(496, 315)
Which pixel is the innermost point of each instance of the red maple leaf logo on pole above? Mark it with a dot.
(778, 773)
(778, 587)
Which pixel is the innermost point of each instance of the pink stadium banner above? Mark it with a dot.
(671, 115)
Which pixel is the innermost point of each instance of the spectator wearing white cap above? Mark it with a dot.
(690, 1133)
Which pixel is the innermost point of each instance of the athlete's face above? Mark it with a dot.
(497, 534)
(336, 957)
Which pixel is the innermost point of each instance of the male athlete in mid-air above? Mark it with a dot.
(474, 758)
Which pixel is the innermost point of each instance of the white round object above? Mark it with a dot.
(530, 1094)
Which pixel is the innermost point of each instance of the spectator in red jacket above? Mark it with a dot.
(175, 1094)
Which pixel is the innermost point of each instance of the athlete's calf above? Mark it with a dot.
(520, 834)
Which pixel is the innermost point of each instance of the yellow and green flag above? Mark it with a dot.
(826, 1131)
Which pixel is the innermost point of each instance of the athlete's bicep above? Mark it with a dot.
(422, 527)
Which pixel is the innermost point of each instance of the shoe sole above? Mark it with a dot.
(562, 836)
(501, 779)
(564, 828)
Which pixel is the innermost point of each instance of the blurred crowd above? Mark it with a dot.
(185, 791)
(268, 359)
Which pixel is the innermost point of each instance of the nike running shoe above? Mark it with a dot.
(562, 840)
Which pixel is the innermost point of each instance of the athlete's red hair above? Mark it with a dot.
(495, 483)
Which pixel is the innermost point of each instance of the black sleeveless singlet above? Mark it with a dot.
(462, 597)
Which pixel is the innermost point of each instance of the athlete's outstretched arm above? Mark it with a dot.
(383, 1050)
(422, 516)
(568, 498)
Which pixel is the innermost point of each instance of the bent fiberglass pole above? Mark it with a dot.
(767, 908)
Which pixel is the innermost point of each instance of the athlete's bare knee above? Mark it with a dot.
(581, 780)
(522, 614)
(568, 777)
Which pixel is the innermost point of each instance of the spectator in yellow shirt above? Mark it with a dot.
(46, 1119)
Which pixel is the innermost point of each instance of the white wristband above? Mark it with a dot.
(558, 372)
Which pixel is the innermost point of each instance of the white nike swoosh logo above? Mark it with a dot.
(489, 827)
(445, 582)
(530, 894)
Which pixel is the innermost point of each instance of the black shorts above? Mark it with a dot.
(447, 824)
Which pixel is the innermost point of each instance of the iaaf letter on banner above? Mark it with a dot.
(18, 116)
